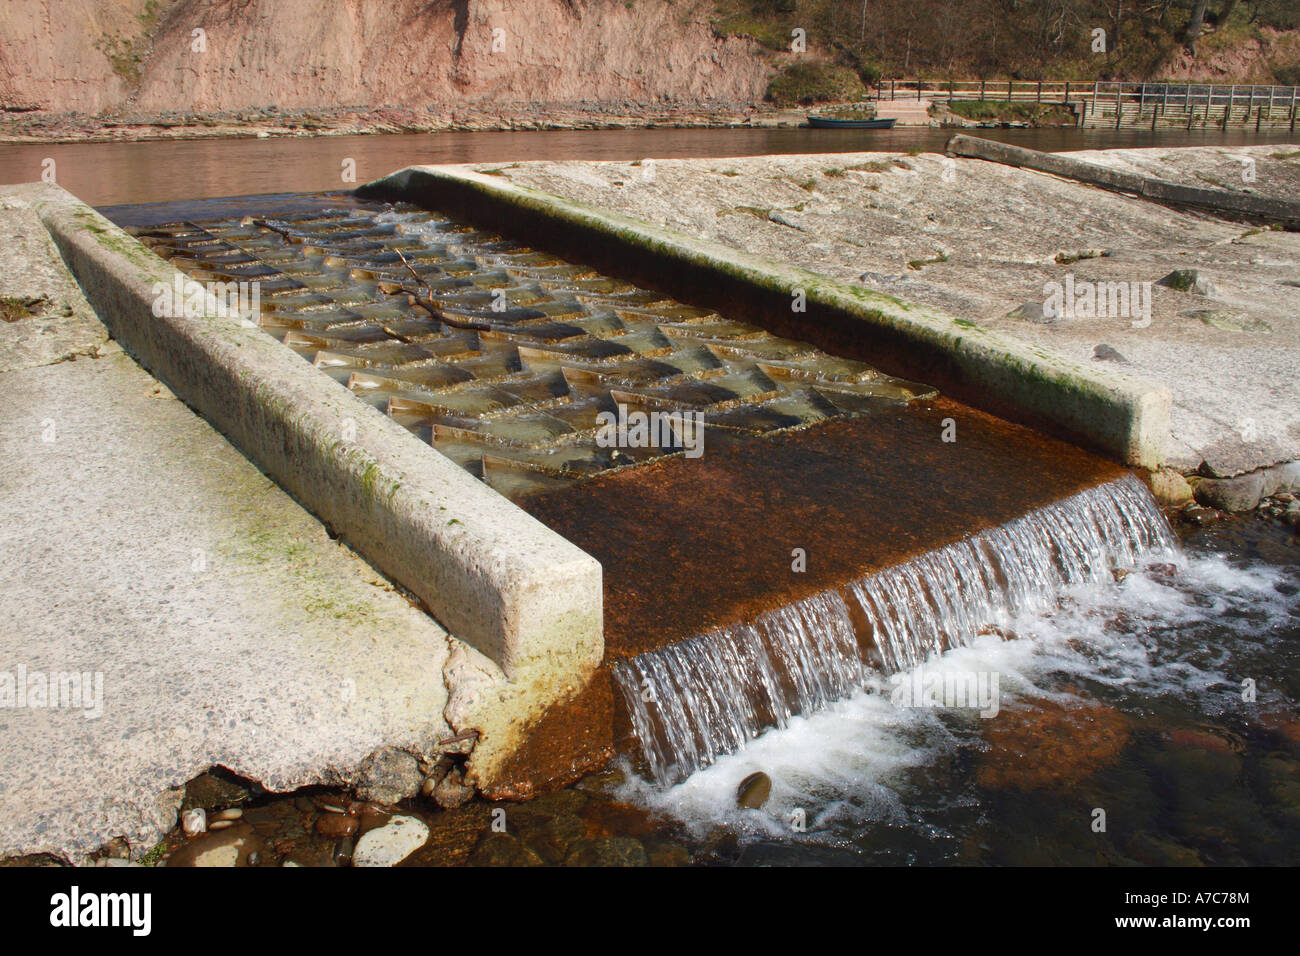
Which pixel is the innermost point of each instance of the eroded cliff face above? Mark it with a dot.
(89, 55)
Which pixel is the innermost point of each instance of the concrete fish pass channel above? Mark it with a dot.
(672, 523)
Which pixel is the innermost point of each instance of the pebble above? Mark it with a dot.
(220, 824)
(392, 843)
(754, 791)
(194, 822)
(232, 813)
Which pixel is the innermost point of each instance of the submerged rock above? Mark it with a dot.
(1068, 744)
(502, 849)
(390, 844)
(754, 791)
(229, 847)
(612, 851)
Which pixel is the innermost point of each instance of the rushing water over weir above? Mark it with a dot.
(698, 699)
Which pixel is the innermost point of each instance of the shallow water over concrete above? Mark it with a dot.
(531, 372)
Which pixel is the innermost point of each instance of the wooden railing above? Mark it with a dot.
(1122, 103)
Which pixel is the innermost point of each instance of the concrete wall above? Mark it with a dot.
(494, 576)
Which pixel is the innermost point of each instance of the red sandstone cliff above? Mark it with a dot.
(89, 55)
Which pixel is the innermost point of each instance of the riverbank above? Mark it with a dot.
(271, 121)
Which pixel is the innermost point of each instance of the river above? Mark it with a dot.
(160, 171)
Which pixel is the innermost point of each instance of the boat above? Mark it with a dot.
(830, 122)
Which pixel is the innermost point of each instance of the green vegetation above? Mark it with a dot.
(804, 83)
(919, 264)
(13, 308)
(1036, 114)
(1013, 39)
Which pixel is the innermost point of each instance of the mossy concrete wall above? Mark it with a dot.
(494, 576)
(1114, 413)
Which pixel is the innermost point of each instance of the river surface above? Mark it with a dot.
(162, 171)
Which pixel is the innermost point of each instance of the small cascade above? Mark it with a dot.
(698, 699)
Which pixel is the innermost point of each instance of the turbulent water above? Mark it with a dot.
(1204, 774)
(699, 699)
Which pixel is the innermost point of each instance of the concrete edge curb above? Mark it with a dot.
(492, 574)
(1148, 187)
(1114, 413)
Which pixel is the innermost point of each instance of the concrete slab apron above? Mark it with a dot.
(228, 628)
(497, 578)
(64, 324)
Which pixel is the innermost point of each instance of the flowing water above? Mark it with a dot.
(1165, 698)
(693, 701)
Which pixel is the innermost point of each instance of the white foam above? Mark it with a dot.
(846, 764)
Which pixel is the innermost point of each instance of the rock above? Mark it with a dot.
(433, 774)
(452, 791)
(1170, 488)
(1228, 320)
(502, 849)
(337, 825)
(228, 847)
(611, 851)
(231, 813)
(194, 822)
(1188, 280)
(1069, 742)
(389, 775)
(1155, 851)
(669, 854)
(210, 791)
(1241, 493)
(781, 219)
(551, 840)
(1106, 353)
(1032, 312)
(390, 844)
(1292, 515)
(880, 278)
(754, 791)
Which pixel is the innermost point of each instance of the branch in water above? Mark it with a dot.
(427, 304)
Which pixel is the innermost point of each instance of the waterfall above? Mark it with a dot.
(695, 700)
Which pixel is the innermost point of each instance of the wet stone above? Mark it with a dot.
(502, 849)
(211, 791)
(390, 844)
(222, 848)
(611, 851)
